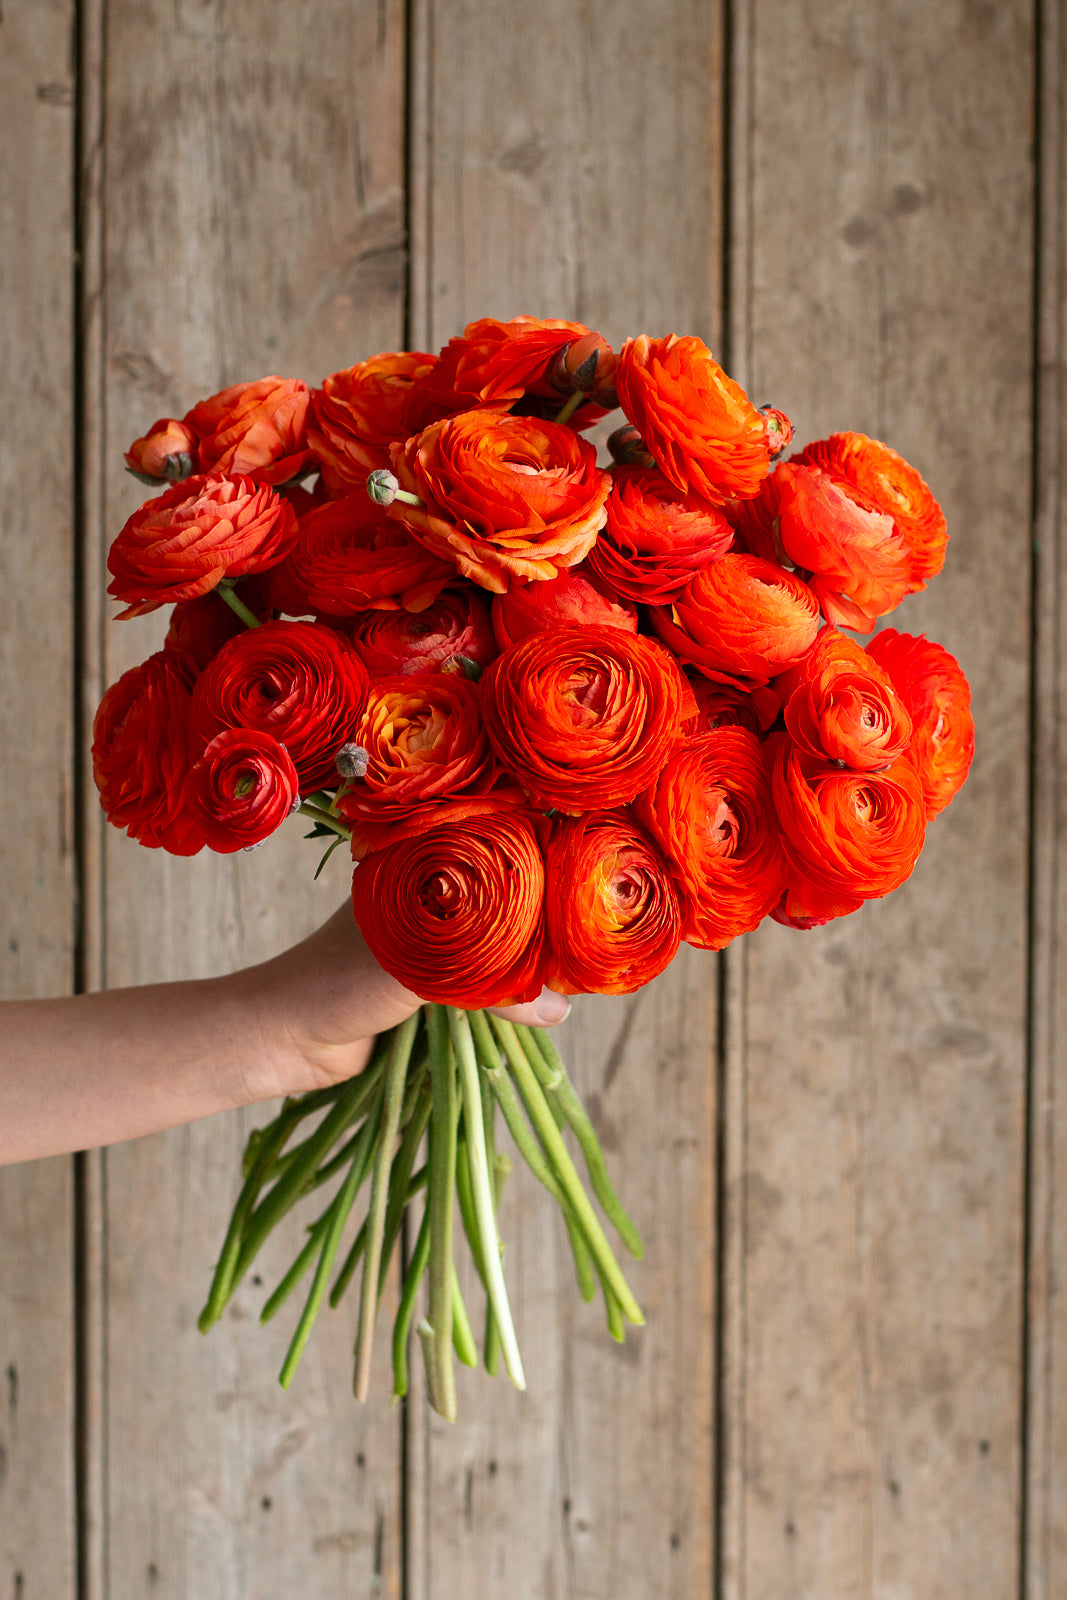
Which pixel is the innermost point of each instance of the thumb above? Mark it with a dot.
(544, 1012)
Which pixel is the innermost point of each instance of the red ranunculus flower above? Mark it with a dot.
(841, 706)
(730, 705)
(931, 684)
(259, 429)
(350, 558)
(743, 619)
(508, 499)
(559, 602)
(710, 811)
(141, 753)
(881, 479)
(701, 427)
(611, 910)
(453, 635)
(428, 760)
(359, 413)
(584, 717)
(185, 541)
(657, 537)
(456, 914)
(492, 363)
(242, 788)
(298, 681)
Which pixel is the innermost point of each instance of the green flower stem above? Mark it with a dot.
(402, 1325)
(465, 1196)
(298, 1268)
(546, 1062)
(222, 1284)
(355, 1254)
(462, 1333)
(228, 593)
(552, 1140)
(501, 1166)
(583, 1265)
(567, 410)
(357, 1104)
(294, 1110)
(395, 1082)
(342, 1205)
(319, 815)
(401, 1184)
(459, 1026)
(437, 1346)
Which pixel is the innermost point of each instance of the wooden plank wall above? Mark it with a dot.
(851, 1380)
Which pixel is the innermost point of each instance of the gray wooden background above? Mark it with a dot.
(843, 1148)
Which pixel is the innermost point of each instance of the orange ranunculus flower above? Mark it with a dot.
(612, 917)
(566, 601)
(241, 789)
(700, 426)
(806, 904)
(349, 558)
(656, 539)
(259, 429)
(583, 717)
(852, 554)
(932, 685)
(840, 705)
(185, 541)
(456, 914)
(882, 480)
(730, 705)
(508, 499)
(141, 753)
(742, 619)
(453, 635)
(849, 833)
(428, 761)
(710, 811)
(493, 363)
(298, 681)
(359, 413)
(167, 452)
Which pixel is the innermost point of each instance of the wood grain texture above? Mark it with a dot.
(882, 281)
(36, 844)
(1046, 1526)
(250, 220)
(568, 163)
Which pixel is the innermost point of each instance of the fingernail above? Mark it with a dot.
(551, 1007)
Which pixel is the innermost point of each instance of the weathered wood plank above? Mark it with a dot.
(252, 222)
(568, 164)
(37, 1512)
(1046, 1549)
(882, 282)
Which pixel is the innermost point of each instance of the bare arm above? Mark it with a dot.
(95, 1069)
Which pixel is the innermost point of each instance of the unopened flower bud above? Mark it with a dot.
(166, 453)
(382, 486)
(352, 761)
(779, 430)
(628, 448)
(587, 365)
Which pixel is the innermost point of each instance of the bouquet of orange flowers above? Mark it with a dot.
(564, 715)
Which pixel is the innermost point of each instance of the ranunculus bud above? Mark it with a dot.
(352, 760)
(167, 452)
(382, 486)
(588, 365)
(629, 449)
(779, 430)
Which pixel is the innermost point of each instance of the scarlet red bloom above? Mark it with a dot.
(493, 362)
(841, 706)
(202, 626)
(167, 451)
(657, 537)
(300, 682)
(931, 684)
(611, 909)
(183, 543)
(259, 429)
(241, 789)
(565, 601)
(742, 619)
(453, 635)
(701, 427)
(584, 717)
(350, 558)
(878, 477)
(710, 811)
(456, 914)
(508, 499)
(359, 413)
(428, 760)
(141, 753)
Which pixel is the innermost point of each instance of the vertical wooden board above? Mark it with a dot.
(37, 1515)
(882, 282)
(1046, 1551)
(568, 164)
(252, 205)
